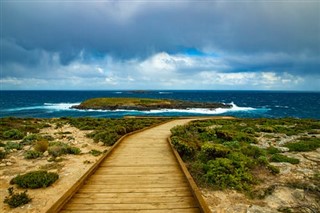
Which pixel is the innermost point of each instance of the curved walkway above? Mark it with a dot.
(140, 175)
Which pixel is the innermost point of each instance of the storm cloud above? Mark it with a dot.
(160, 44)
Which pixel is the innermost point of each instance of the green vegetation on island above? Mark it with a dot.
(144, 104)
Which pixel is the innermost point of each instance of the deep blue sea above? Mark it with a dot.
(253, 104)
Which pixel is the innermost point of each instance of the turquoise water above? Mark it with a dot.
(271, 104)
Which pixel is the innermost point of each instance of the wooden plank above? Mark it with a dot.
(185, 210)
(133, 190)
(121, 178)
(134, 195)
(134, 200)
(146, 206)
(134, 186)
(137, 170)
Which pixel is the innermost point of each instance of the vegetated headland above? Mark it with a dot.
(144, 104)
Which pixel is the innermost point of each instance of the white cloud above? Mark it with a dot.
(159, 71)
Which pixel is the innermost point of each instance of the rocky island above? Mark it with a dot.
(145, 104)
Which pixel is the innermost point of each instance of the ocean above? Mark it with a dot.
(246, 104)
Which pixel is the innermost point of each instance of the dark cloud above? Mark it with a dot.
(280, 36)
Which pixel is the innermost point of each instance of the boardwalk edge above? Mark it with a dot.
(194, 188)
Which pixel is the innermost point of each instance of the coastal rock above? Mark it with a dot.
(101, 144)
(46, 154)
(2, 149)
(259, 209)
(298, 194)
(2, 164)
(285, 168)
(283, 149)
(9, 163)
(26, 147)
(13, 159)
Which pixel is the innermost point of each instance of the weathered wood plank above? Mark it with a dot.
(185, 210)
(134, 200)
(134, 195)
(125, 206)
(99, 189)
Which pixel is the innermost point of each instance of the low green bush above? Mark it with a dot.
(273, 169)
(95, 152)
(57, 149)
(32, 154)
(283, 158)
(16, 199)
(13, 145)
(29, 139)
(304, 144)
(268, 129)
(252, 151)
(35, 179)
(73, 150)
(3, 154)
(224, 173)
(183, 148)
(212, 151)
(272, 150)
(13, 134)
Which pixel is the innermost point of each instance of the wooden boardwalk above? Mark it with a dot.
(140, 175)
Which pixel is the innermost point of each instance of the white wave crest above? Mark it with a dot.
(47, 106)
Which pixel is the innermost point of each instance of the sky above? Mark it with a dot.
(160, 45)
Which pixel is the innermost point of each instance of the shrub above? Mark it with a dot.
(252, 151)
(72, 150)
(263, 160)
(268, 129)
(222, 173)
(16, 199)
(225, 134)
(273, 150)
(29, 139)
(13, 134)
(59, 148)
(56, 151)
(13, 145)
(95, 152)
(273, 169)
(35, 179)
(211, 151)
(41, 145)
(283, 158)
(32, 154)
(184, 150)
(2, 154)
(304, 144)
(107, 137)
